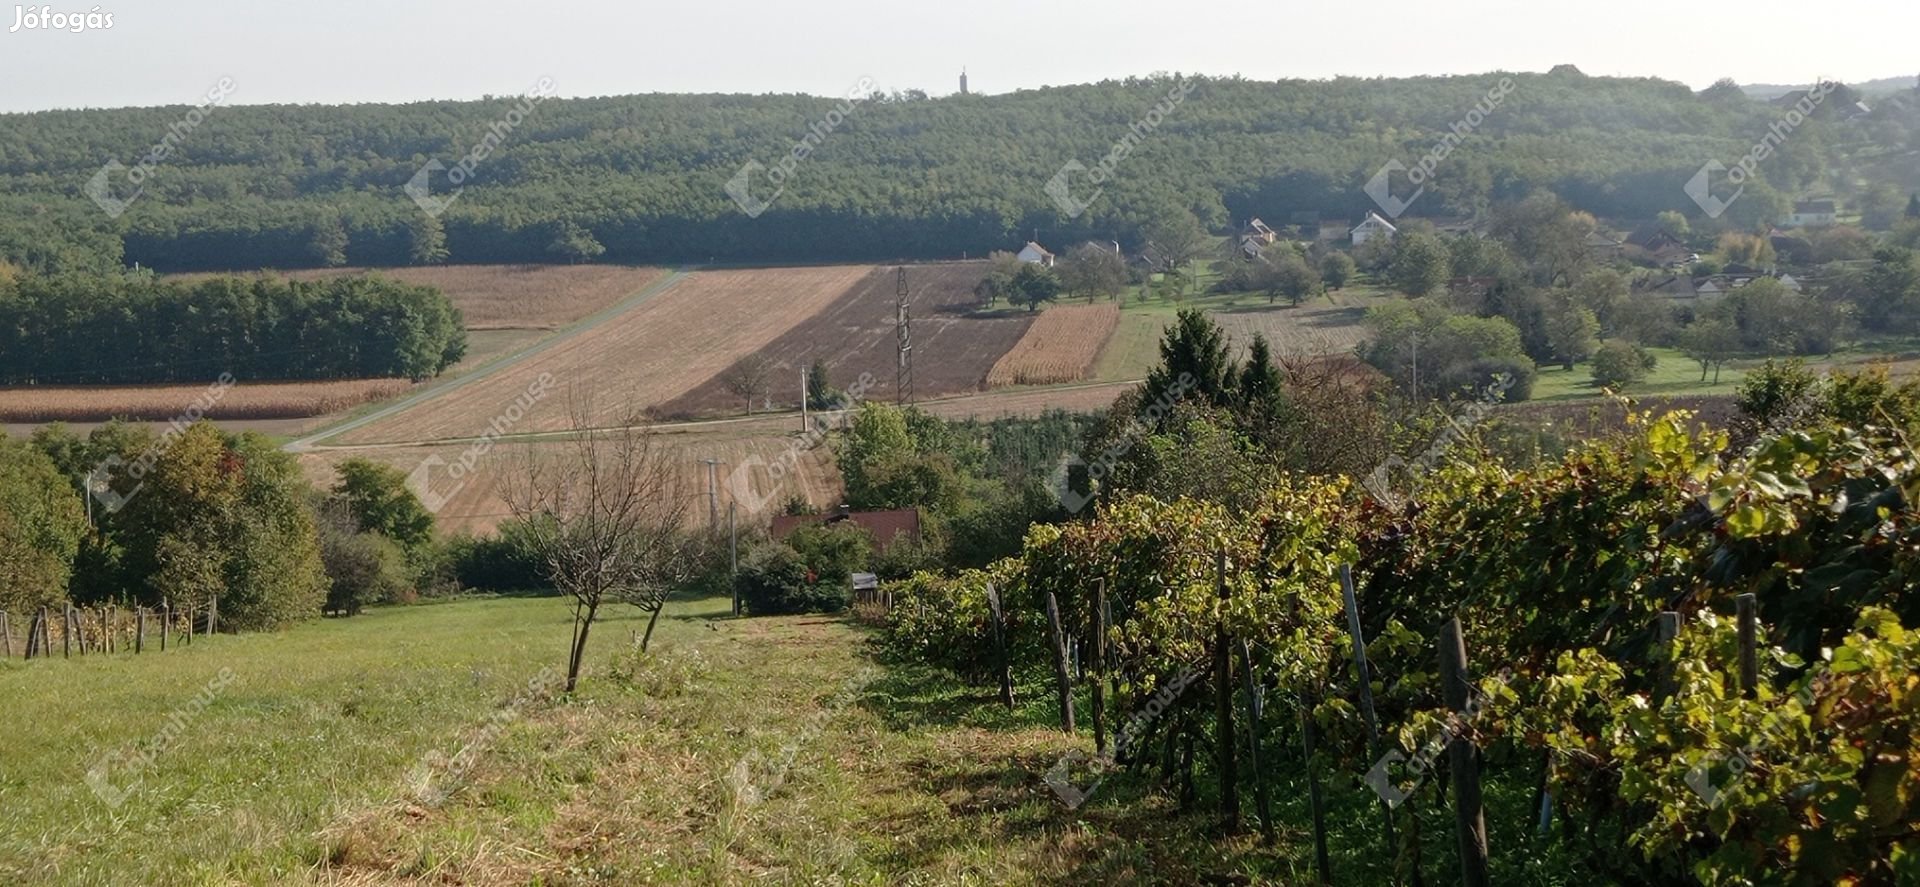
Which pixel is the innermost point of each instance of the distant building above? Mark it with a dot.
(1371, 227)
(1602, 247)
(1812, 213)
(1036, 254)
(963, 81)
(1654, 246)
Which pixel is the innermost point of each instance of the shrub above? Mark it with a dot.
(832, 552)
(774, 580)
(1618, 364)
(505, 561)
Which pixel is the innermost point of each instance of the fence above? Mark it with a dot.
(79, 631)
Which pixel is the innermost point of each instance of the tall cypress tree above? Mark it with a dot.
(1194, 347)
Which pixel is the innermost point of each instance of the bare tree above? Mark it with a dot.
(748, 378)
(607, 512)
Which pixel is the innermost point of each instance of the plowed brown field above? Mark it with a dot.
(649, 355)
(953, 347)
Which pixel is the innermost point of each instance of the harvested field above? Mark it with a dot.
(953, 347)
(472, 502)
(658, 350)
(492, 297)
(1300, 331)
(160, 403)
(1060, 346)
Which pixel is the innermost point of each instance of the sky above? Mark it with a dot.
(278, 51)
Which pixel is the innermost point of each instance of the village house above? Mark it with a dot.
(1036, 254)
(1813, 214)
(1371, 227)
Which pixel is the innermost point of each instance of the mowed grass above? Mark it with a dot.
(313, 724)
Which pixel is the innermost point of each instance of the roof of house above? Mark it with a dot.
(1376, 220)
(1255, 226)
(1037, 248)
(883, 526)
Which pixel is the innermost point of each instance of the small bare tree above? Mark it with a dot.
(748, 378)
(606, 509)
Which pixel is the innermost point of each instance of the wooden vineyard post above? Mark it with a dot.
(1099, 660)
(113, 626)
(213, 614)
(166, 623)
(1748, 609)
(6, 635)
(33, 635)
(1256, 711)
(1469, 810)
(1223, 705)
(1062, 676)
(139, 629)
(1321, 860)
(1362, 676)
(1000, 661)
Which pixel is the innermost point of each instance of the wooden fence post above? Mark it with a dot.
(190, 625)
(1362, 676)
(1256, 711)
(1000, 661)
(213, 614)
(139, 628)
(1223, 704)
(6, 634)
(166, 623)
(1748, 608)
(1469, 811)
(33, 635)
(1063, 677)
(113, 628)
(1099, 659)
(66, 632)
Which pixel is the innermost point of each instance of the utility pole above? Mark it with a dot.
(733, 552)
(713, 496)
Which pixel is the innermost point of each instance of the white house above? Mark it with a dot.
(1809, 213)
(1371, 227)
(1037, 254)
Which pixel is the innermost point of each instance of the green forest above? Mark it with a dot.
(644, 178)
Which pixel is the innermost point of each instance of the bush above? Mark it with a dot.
(1618, 364)
(505, 561)
(832, 552)
(774, 580)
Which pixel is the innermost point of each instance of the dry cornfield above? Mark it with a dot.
(1060, 346)
(161, 403)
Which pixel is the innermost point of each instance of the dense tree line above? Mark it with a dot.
(133, 327)
(643, 178)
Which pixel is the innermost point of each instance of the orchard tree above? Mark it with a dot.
(1336, 270)
(1283, 271)
(1090, 270)
(1571, 330)
(1421, 264)
(1620, 363)
(1034, 285)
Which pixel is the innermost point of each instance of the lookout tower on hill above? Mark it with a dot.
(963, 81)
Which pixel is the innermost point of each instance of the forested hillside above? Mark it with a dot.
(645, 176)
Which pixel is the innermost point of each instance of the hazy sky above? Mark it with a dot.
(171, 51)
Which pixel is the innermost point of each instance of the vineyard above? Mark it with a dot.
(1060, 346)
(1651, 661)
